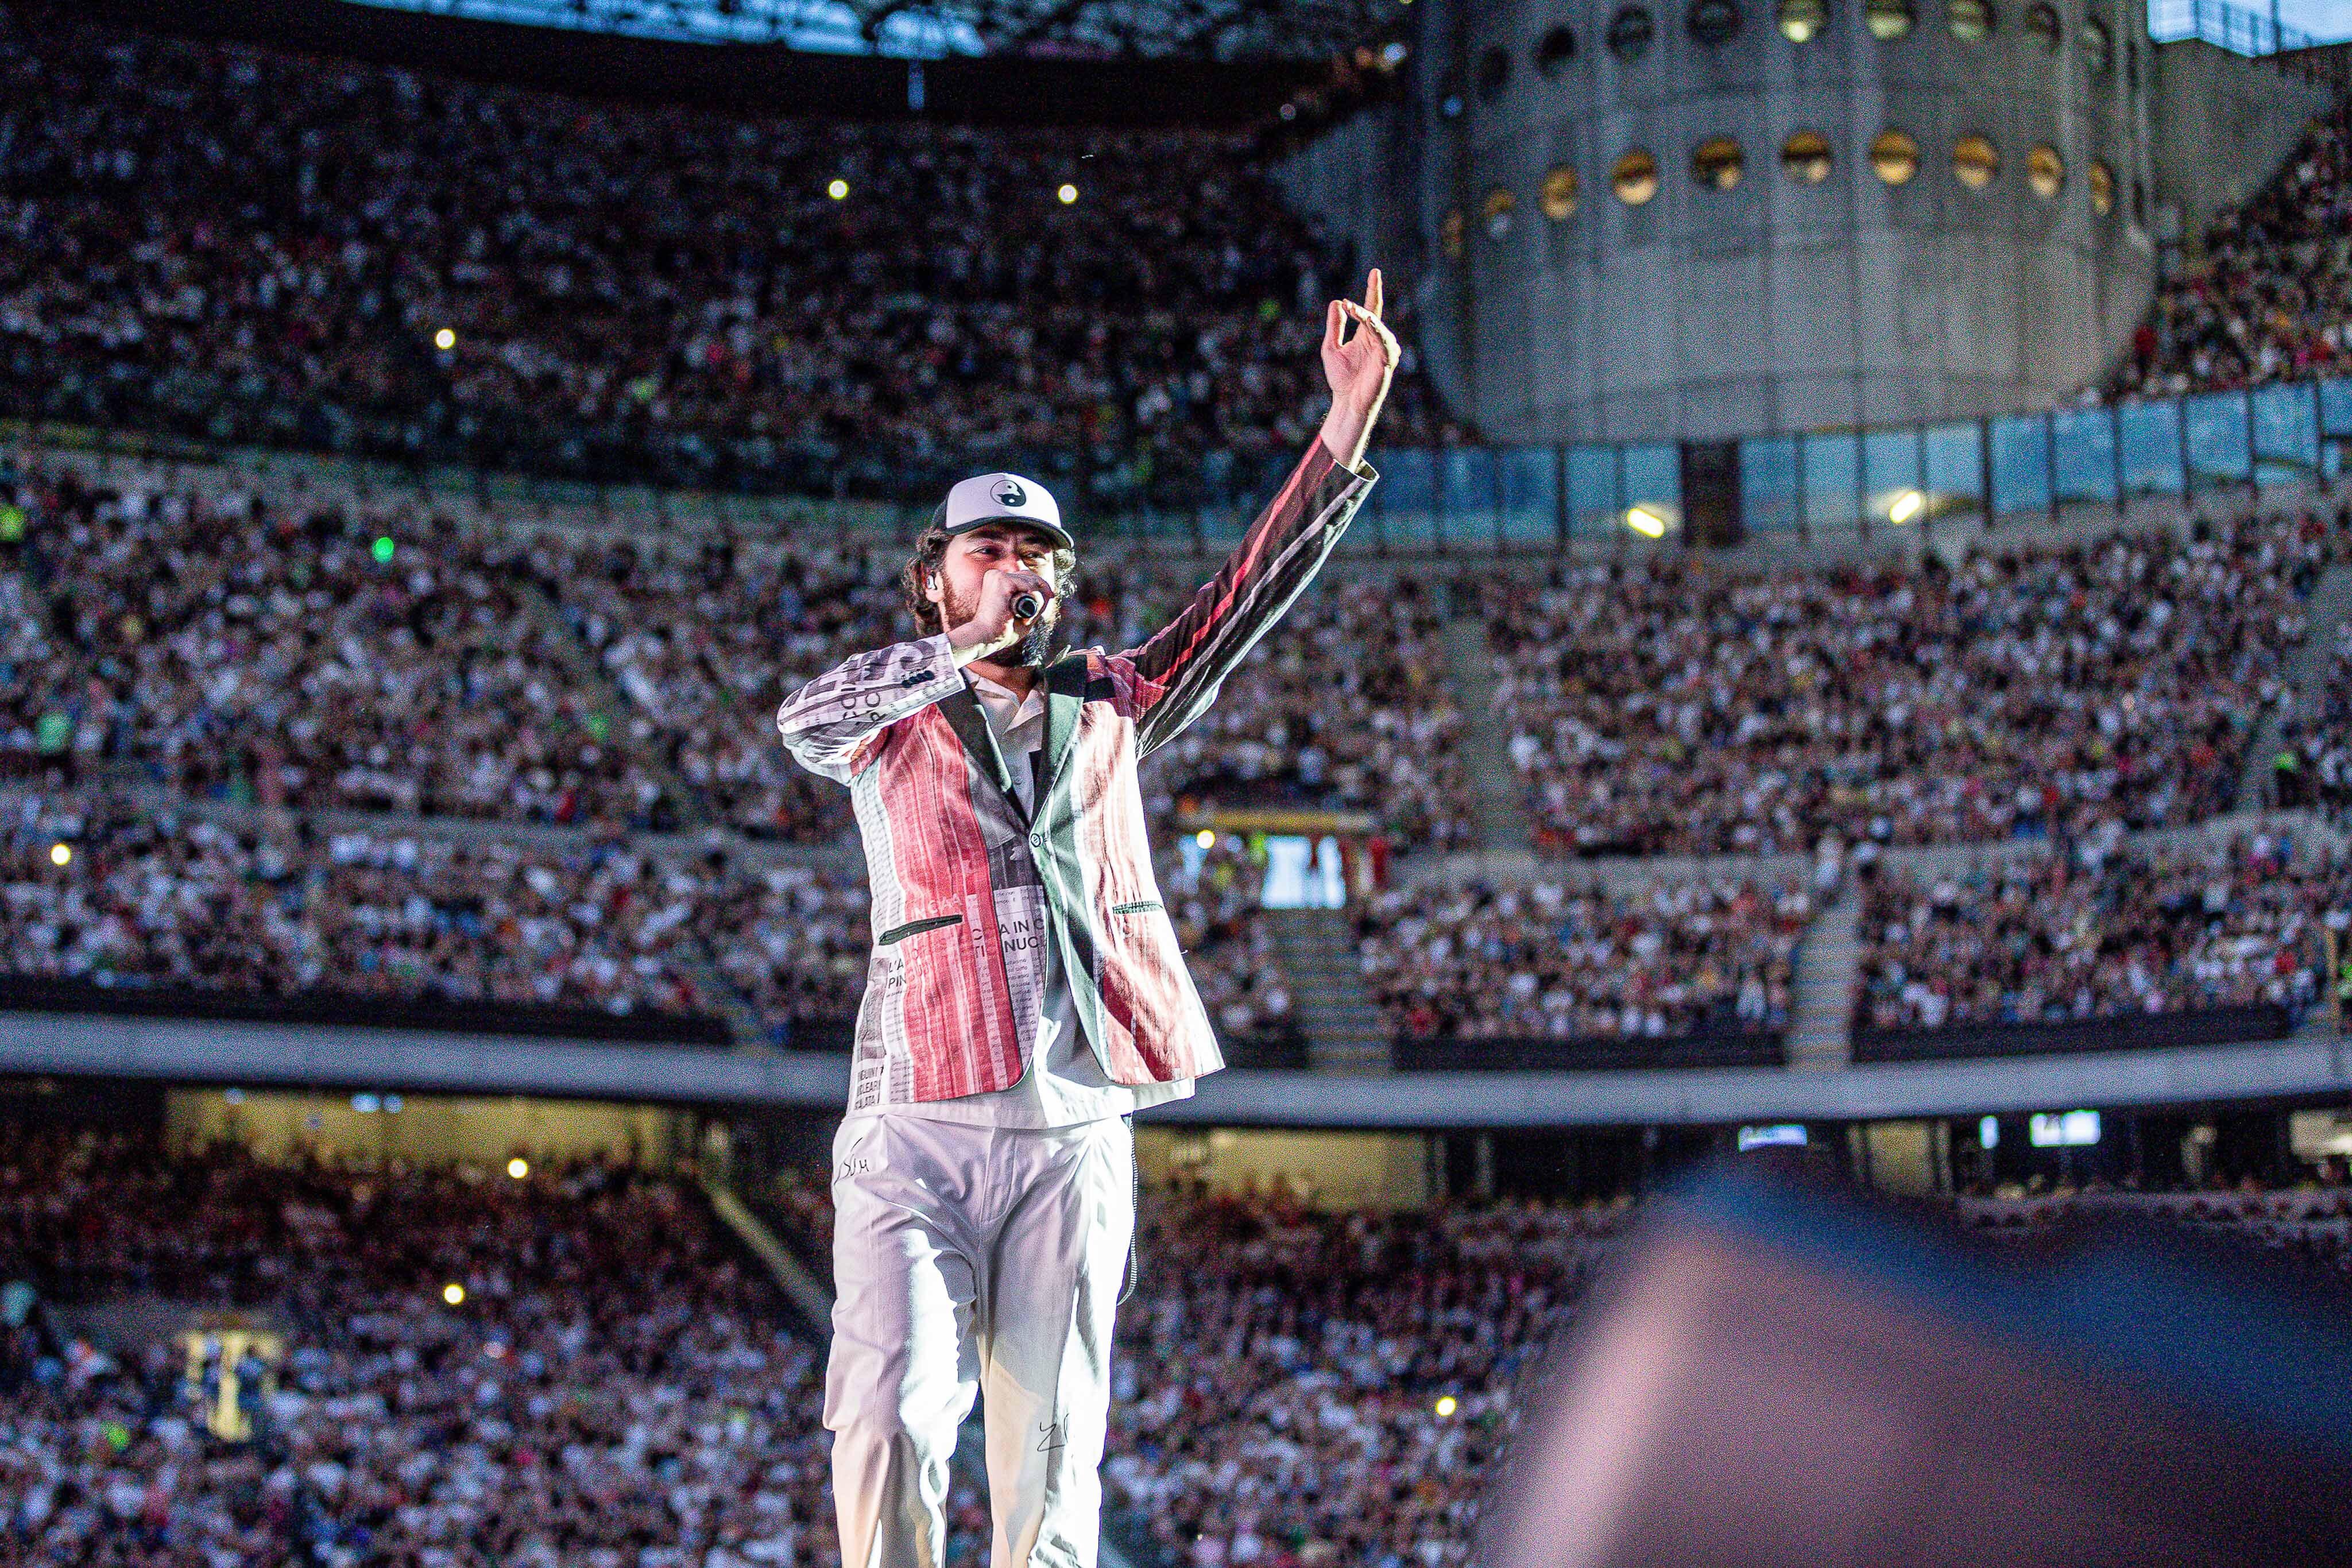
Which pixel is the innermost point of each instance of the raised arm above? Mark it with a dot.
(1181, 666)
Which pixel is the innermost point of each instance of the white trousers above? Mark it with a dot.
(964, 1258)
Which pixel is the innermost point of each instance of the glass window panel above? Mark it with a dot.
(2287, 433)
(1530, 485)
(1955, 474)
(2083, 453)
(1469, 521)
(2020, 464)
(2149, 433)
(2214, 425)
(1408, 492)
(1890, 475)
(1832, 466)
(1654, 489)
(2336, 407)
(1592, 491)
(1767, 485)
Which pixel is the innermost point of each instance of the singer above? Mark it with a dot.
(1025, 991)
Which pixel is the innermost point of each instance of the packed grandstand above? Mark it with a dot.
(580, 1365)
(308, 740)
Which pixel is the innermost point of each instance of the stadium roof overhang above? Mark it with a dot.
(179, 1051)
(1040, 88)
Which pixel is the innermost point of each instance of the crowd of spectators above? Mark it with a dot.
(1679, 705)
(236, 245)
(2100, 933)
(113, 897)
(2270, 298)
(1330, 1389)
(1560, 961)
(313, 656)
(1213, 893)
(615, 1386)
(2312, 766)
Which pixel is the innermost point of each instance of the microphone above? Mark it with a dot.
(1027, 605)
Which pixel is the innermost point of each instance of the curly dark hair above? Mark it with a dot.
(931, 549)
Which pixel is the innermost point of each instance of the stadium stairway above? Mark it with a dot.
(1828, 962)
(1345, 1030)
(2307, 669)
(1495, 797)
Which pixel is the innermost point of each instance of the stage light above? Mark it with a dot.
(1206, 837)
(518, 1167)
(382, 549)
(1447, 1406)
(838, 190)
(454, 1293)
(1907, 506)
(1645, 522)
(61, 854)
(1066, 195)
(444, 340)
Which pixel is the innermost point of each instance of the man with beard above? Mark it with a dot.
(1025, 992)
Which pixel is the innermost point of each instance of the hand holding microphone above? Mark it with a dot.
(1010, 600)
(1027, 605)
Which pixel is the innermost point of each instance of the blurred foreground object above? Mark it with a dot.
(1781, 1375)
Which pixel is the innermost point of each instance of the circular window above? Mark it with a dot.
(1497, 210)
(1712, 22)
(1553, 51)
(2098, 46)
(1894, 157)
(2042, 25)
(1558, 195)
(1975, 161)
(1805, 157)
(2046, 172)
(1888, 18)
(1494, 74)
(1802, 21)
(1449, 234)
(1635, 178)
(1716, 161)
(2103, 189)
(1972, 21)
(1630, 32)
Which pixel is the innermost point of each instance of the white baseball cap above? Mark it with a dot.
(1003, 498)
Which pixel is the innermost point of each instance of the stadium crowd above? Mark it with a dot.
(1329, 1388)
(613, 1387)
(236, 245)
(1681, 706)
(130, 899)
(313, 656)
(2271, 300)
(2100, 932)
(1560, 961)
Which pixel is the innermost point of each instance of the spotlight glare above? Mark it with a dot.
(1206, 837)
(61, 854)
(838, 190)
(1645, 522)
(1066, 195)
(382, 550)
(1907, 506)
(518, 1167)
(444, 340)
(454, 1293)
(1447, 1406)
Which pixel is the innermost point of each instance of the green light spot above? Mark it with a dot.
(383, 548)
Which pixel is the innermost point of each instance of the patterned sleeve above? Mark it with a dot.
(1179, 669)
(829, 724)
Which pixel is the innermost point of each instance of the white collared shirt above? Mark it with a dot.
(1062, 1083)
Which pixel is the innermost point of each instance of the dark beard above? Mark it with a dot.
(1040, 648)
